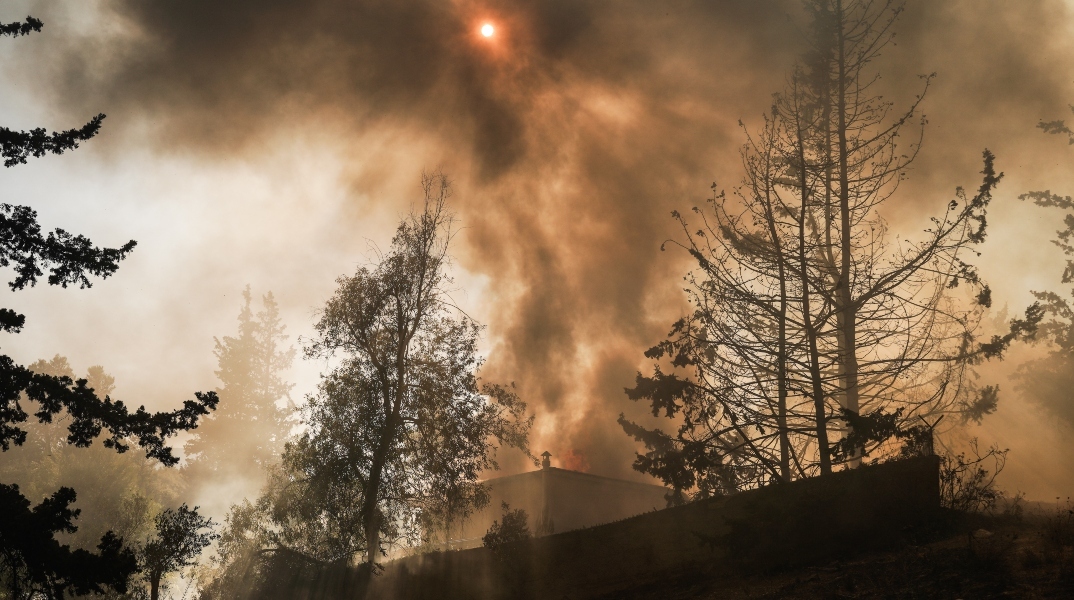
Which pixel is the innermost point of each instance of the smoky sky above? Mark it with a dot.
(571, 135)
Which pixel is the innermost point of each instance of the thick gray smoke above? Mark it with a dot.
(571, 134)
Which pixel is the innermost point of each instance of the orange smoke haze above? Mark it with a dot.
(276, 143)
(574, 461)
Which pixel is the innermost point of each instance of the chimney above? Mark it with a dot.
(546, 462)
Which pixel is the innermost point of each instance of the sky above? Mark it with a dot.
(276, 143)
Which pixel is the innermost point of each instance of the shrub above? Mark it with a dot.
(513, 528)
(966, 482)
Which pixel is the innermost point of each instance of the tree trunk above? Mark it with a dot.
(848, 333)
(16, 589)
(781, 418)
(781, 316)
(817, 384)
(154, 586)
(370, 514)
(372, 537)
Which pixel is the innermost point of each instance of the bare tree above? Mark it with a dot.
(810, 318)
(904, 341)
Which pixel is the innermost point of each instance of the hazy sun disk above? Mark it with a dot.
(487, 30)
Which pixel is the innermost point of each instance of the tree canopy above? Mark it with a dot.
(400, 428)
(34, 561)
(816, 335)
(181, 535)
(1048, 380)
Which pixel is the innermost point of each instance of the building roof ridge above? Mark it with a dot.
(557, 471)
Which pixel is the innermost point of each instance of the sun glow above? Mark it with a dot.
(487, 30)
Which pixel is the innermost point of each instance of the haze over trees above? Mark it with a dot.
(33, 562)
(246, 435)
(817, 340)
(117, 492)
(817, 336)
(1049, 379)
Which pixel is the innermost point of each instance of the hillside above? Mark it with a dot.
(1019, 557)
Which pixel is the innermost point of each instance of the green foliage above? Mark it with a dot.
(247, 535)
(511, 529)
(399, 430)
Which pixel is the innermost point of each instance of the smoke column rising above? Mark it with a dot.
(570, 135)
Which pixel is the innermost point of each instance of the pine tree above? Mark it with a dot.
(811, 320)
(33, 563)
(1049, 379)
(248, 431)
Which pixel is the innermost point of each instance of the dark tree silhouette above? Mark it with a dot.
(117, 492)
(34, 561)
(1048, 380)
(811, 322)
(505, 540)
(181, 535)
(402, 428)
(399, 430)
(1058, 127)
(512, 528)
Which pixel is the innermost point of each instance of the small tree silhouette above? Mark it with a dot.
(181, 536)
(505, 539)
(513, 528)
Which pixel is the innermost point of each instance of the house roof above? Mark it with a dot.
(567, 474)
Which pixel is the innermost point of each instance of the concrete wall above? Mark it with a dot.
(780, 526)
(571, 499)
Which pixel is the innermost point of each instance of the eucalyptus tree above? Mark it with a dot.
(400, 430)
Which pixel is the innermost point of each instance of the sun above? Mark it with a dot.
(487, 30)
